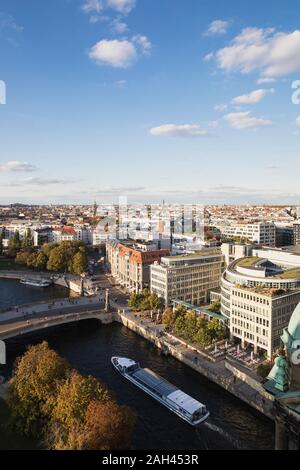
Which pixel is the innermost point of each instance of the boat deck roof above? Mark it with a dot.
(154, 381)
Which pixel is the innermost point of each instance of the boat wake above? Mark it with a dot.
(215, 428)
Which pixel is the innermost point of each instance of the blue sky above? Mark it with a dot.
(182, 100)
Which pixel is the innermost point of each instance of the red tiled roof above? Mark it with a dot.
(68, 231)
(141, 257)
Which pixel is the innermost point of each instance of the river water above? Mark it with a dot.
(89, 346)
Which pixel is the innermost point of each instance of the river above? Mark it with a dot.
(89, 346)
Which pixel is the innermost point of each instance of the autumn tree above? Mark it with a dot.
(169, 317)
(33, 387)
(108, 426)
(68, 414)
(79, 263)
(22, 257)
(14, 244)
(69, 411)
(133, 301)
(41, 261)
(27, 239)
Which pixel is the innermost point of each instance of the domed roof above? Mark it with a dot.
(294, 325)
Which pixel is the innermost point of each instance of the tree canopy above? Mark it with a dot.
(192, 327)
(49, 399)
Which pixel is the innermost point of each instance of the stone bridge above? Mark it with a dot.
(31, 317)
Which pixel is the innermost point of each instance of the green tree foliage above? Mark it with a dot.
(215, 307)
(68, 257)
(27, 239)
(192, 327)
(79, 262)
(41, 261)
(1, 244)
(145, 301)
(14, 244)
(133, 301)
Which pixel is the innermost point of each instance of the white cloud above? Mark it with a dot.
(221, 107)
(36, 181)
(298, 121)
(121, 83)
(96, 6)
(218, 27)
(143, 42)
(91, 6)
(272, 166)
(122, 6)
(118, 26)
(7, 22)
(214, 124)
(16, 166)
(264, 80)
(271, 53)
(119, 54)
(209, 57)
(244, 120)
(184, 130)
(252, 98)
(99, 19)
(119, 190)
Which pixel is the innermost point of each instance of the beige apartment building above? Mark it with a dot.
(259, 315)
(130, 262)
(189, 278)
(258, 297)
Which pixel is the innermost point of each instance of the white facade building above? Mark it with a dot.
(258, 296)
(262, 233)
(189, 278)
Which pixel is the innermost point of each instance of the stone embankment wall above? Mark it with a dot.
(71, 282)
(228, 377)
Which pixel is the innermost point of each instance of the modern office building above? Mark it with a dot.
(233, 251)
(130, 262)
(189, 278)
(262, 233)
(259, 295)
(284, 235)
(296, 230)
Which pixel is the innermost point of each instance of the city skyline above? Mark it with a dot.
(150, 100)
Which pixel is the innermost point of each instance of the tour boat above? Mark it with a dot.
(36, 282)
(167, 394)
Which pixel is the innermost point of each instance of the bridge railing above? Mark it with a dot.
(42, 307)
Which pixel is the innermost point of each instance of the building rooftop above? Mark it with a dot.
(266, 291)
(195, 255)
(272, 269)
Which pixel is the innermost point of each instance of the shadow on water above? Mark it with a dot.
(89, 348)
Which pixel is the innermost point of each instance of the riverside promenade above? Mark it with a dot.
(228, 375)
